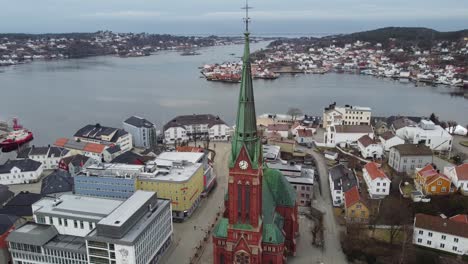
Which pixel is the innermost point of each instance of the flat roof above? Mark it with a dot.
(137, 229)
(122, 213)
(33, 234)
(67, 243)
(193, 157)
(174, 173)
(280, 166)
(78, 207)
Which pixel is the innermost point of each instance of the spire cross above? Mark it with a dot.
(247, 18)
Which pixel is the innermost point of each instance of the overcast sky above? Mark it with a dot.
(225, 16)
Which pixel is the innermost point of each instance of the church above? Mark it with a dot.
(260, 221)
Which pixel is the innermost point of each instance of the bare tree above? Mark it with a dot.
(294, 112)
(452, 125)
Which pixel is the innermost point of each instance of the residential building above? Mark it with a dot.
(107, 136)
(304, 186)
(441, 233)
(143, 131)
(356, 209)
(112, 152)
(459, 177)
(74, 164)
(57, 182)
(75, 229)
(331, 155)
(92, 150)
(48, 156)
(20, 171)
(260, 222)
(282, 129)
(406, 158)
(389, 139)
(132, 158)
(378, 184)
(180, 181)
(380, 127)
(20, 205)
(5, 194)
(341, 179)
(191, 127)
(346, 115)
(429, 134)
(369, 148)
(346, 134)
(401, 122)
(304, 136)
(431, 182)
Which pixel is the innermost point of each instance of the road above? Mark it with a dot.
(332, 252)
(189, 234)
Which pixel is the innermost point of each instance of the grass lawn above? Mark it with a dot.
(384, 235)
(464, 143)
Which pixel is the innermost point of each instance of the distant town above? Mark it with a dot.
(387, 52)
(24, 48)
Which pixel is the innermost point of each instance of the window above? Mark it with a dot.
(454, 248)
(443, 237)
(444, 189)
(455, 240)
(429, 242)
(439, 182)
(384, 184)
(419, 240)
(442, 245)
(378, 190)
(421, 232)
(433, 189)
(378, 184)
(430, 234)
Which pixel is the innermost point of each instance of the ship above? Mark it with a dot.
(16, 138)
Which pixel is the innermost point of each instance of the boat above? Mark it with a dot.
(16, 138)
(190, 53)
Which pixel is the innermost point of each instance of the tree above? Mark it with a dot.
(452, 125)
(434, 119)
(294, 112)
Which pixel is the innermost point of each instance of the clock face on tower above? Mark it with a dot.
(243, 164)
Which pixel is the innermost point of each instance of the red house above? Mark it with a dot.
(260, 219)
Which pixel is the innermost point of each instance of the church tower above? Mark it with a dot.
(260, 221)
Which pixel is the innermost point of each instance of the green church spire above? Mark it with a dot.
(246, 126)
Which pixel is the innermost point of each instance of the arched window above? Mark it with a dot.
(242, 257)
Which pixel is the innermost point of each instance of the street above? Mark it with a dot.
(332, 252)
(189, 234)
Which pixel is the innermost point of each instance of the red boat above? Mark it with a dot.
(18, 137)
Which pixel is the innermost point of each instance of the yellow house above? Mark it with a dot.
(178, 181)
(356, 209)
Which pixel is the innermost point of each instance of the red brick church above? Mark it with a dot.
(260, 221)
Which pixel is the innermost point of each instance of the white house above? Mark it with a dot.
(441, 233)
(389, 139)
(200, 127)
(20, 171)
(341, 179)
(331, 155)
(143, 131)
(369, 148)
(304, 136)
(48, 156)
(429, 134)
(107, 136)
(459, 177)
(346, 134)
(378, 184)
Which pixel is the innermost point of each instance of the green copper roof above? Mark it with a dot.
(246, 124)
(282, 191)
(221, 228)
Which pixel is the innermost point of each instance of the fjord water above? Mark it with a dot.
(56, 98)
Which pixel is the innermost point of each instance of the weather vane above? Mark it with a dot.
(247, 18)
